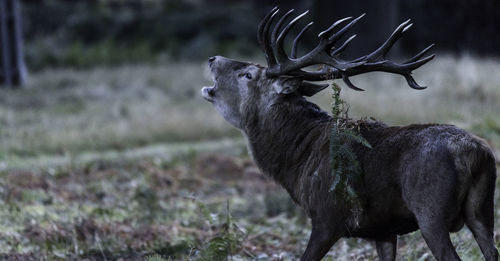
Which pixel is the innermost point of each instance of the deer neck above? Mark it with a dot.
(286, 136)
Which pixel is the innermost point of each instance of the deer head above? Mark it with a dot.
(241, 85)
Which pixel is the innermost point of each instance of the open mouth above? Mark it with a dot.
(208, 91)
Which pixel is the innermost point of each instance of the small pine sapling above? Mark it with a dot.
(223, 245)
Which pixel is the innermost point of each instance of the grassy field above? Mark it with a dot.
(130, 163)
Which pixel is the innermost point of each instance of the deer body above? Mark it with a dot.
(429, 177)
(424, 169)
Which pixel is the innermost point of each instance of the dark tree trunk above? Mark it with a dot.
(13, 70)
(20, 72)
(5, 48)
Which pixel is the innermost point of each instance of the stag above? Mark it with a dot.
(431, 177)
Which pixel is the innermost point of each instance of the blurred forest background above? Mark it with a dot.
(108, 151)
(82, 34)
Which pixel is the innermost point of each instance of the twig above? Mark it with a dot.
(75, 242)
(98, 240)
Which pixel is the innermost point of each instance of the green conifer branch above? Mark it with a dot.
(343, 161)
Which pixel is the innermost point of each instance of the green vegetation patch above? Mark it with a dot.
(346, 169)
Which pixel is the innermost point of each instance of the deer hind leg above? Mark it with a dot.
(431, 198)
(386, 248)
(438, 240)
(479, 213)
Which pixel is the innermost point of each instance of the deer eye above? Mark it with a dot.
(246, 75)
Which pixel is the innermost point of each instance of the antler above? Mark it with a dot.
(279, 63)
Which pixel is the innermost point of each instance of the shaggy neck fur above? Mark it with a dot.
(280, 144)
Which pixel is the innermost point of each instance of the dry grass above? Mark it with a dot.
(67, 111)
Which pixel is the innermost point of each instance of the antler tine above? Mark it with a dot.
(263, 36)
(347, 81)
(412, 83)
(384, 48)
(416, 64)
(399, 68)
(420, 54)
(293, 53)
(335, 37)
(280, 53)
(277, 27)
(343, 46)
(262, 25)
(333, 26)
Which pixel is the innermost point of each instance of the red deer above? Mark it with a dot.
(431, 177)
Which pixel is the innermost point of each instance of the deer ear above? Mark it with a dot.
(309, 89)
(287, 85)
